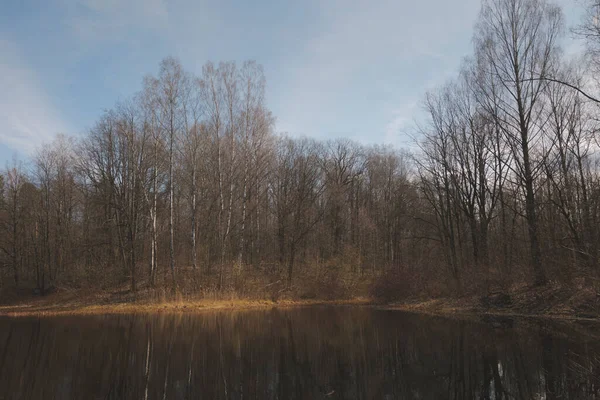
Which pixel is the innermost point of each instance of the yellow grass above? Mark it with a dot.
(555, 302)
(60, 304)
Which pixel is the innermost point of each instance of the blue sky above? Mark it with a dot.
(334, 68)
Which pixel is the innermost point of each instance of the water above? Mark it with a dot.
(306, 353)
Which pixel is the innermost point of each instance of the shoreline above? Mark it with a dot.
(425, 307)
(147, 307)
(550, 303)
(441, 311)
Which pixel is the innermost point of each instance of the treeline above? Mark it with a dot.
(188, 181)
(188, 175)
(508, 161)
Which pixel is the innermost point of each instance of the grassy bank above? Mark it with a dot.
(81, 302)
(552, 301)
(248, 289)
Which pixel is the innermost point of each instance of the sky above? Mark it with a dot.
(335, 68)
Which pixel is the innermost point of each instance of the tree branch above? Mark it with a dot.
(584, 94)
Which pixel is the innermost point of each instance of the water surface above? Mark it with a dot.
(305, 353)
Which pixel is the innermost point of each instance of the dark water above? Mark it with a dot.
(308, 353)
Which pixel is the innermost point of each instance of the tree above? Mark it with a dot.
(571, 140)
(518, 41)
(172, 96)
(12, 184)
(297, 185)
(256, 125)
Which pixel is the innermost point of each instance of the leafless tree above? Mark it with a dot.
(518, 41)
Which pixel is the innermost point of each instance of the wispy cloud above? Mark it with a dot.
(373, 59)
(354, 68)
(27, 115)
(365, 71)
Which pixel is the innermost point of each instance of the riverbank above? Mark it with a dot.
(80, 302)
(552, 301)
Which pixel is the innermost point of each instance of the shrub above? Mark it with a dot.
(393, 285)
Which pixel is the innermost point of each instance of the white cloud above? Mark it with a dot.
(27, 115)
(356, 68)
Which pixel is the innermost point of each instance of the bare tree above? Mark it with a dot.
(297, 185)
(13, 181)
(172, 100)
(518, 41)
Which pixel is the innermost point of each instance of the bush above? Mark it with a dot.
(393, 285)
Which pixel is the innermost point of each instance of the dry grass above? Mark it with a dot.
(246, 289)
(553, 301)
(100, 303)
(579, 301)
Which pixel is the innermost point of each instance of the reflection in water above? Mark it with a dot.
(309, 353)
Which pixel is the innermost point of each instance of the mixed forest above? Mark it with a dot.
(187, 185)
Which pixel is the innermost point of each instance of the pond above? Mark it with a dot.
(304, 353)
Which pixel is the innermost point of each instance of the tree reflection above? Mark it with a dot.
(311, 353)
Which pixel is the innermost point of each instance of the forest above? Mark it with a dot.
(187, 186)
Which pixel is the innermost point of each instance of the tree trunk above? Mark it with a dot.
(530, 213)
(194, 262)
(171, 228)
